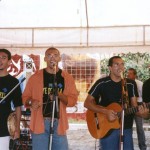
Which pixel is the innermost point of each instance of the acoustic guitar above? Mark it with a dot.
(98, 124)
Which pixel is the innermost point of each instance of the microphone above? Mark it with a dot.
(53, 64)
(121, 74)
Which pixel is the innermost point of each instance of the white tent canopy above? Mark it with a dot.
(74, 23)
(73, 13)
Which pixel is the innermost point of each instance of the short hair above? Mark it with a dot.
(6, 52)
(51, 49)
(110, 62)
(134, 70)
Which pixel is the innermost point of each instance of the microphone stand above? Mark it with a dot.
(124, 105)
(121, 126)
(55, 105)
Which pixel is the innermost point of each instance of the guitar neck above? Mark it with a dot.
(133, 110)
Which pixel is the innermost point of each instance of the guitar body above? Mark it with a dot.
(98, 124)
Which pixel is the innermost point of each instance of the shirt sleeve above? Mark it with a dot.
(146, 91)
(17, 100)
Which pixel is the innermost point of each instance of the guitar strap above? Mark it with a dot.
(108, 133)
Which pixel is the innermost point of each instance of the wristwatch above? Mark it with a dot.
(29, 102)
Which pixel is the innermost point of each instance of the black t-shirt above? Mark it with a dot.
(146, 91)
(7, 83)
(106, 91)
(52, 85)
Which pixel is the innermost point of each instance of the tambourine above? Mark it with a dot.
(12, 123)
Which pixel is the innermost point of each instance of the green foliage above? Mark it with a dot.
(104, 68)
(138, 61)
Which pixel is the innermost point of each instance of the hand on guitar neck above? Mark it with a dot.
(143, 110)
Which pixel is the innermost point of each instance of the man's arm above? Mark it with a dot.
(145, 91)
(18, 118)
(91, 105)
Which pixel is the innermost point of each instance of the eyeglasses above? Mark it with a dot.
(118, 65)
(3, 57)
(52, 55)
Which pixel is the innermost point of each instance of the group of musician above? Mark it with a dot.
(49, 91)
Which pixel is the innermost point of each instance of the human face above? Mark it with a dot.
(131, 75)
(117, 67)
(4, 62)
(52, 57)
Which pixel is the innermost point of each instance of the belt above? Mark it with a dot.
(50, 119)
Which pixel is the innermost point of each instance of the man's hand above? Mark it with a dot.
(143, 111)
(111, 115)
(17, 134)
(63, 98)
(34, 104)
